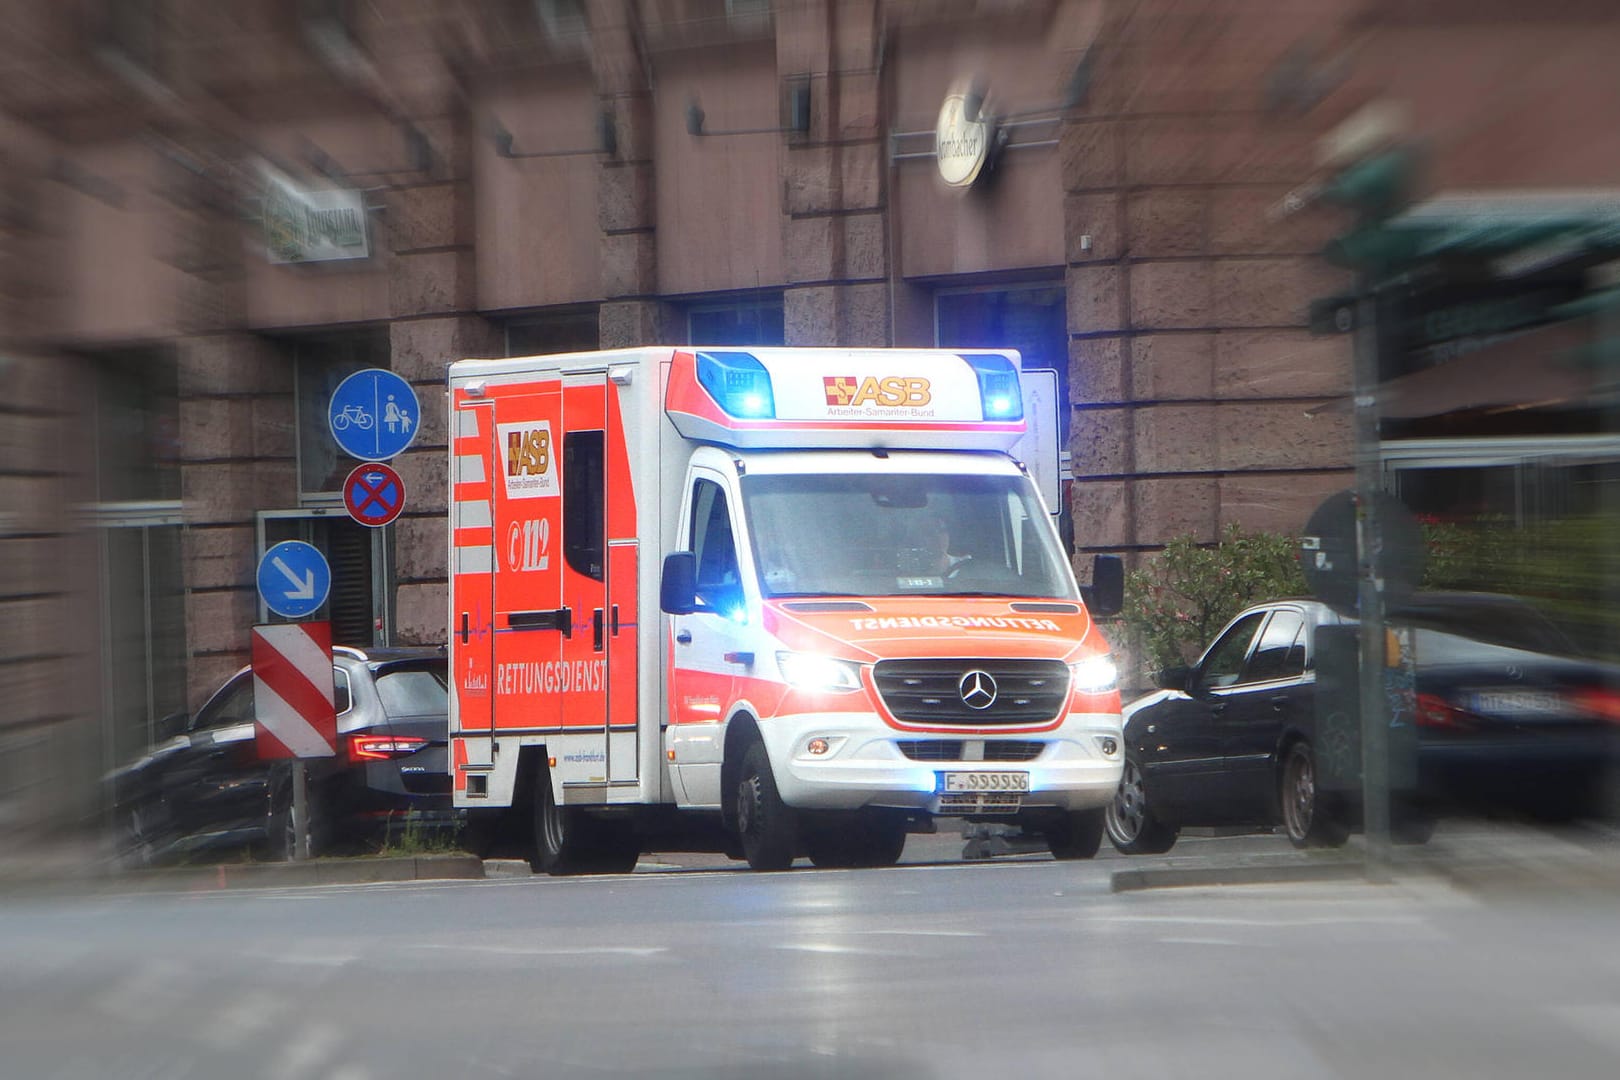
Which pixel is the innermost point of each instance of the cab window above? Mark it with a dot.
(713, 546)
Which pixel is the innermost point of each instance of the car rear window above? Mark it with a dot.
(413, 692)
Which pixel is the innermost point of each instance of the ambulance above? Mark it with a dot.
(802, 601)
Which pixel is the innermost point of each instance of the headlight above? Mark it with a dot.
(1095, 675)
(808, 671)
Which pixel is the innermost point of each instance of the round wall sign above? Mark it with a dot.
(961, 142)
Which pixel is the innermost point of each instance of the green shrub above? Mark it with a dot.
(1177, 602)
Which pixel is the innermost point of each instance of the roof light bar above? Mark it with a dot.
(739, 384)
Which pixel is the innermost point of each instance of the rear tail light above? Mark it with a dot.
(382, 747)
(1434, 711)
(1601, 702)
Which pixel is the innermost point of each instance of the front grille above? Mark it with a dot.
(932, 749)
(1012, 750)
(926, 691)
(980, 802)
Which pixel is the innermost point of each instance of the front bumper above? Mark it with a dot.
(865, 766)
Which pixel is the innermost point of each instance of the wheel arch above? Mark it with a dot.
(742, 731)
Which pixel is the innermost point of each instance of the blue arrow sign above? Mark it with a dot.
(374, 414)
(294, 579)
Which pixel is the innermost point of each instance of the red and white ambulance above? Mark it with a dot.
(805, 595)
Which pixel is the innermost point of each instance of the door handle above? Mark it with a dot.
(683, 637)
(597, 627)
(614, 629)
(464, 628)
(556, 619)
(1278, 704)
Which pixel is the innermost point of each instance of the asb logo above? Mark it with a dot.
(526, 449)
(893, 391)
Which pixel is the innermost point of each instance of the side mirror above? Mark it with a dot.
(172, 725)
(1106, 593)
(677, 591)
(1173, 678)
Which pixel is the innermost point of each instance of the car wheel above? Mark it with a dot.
(866, 842)
(1307, 819)
(1132, 827)
(556, 842)
(1076, 835)
(766, 826)
(135, 846)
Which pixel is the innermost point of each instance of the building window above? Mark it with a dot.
(561, 18)
(557, 332)
(749, 321)
(137, 426)
(1030, 318)
(320, 364)
(359, 606)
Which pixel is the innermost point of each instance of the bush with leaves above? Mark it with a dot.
(1176, 603)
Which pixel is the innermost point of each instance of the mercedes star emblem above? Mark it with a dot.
(978, 689)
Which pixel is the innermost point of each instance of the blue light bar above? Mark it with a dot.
(739, 384)
(999, 389)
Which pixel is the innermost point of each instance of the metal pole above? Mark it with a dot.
(300, 812)
(1370, 595)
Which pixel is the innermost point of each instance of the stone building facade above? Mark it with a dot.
(545, 175)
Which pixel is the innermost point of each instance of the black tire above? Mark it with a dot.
(135, 843)
(1132, 827)
(567, 841)
(1306, 818)
(1076, 835)
(766, 826)
(868, 841)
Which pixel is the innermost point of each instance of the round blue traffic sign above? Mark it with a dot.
(374, 414)
(294, 579)
(374, 494)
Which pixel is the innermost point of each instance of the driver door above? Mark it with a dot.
(1183, 752)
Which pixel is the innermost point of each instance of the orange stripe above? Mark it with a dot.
(472, 491)
(470, 445)
(475, 536)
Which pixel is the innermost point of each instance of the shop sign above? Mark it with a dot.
(961, 141)
(303, 224)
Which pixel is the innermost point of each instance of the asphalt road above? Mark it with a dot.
(1021, 967)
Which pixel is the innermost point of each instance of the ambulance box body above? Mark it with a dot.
(804, 596)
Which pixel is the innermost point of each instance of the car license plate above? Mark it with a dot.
(1518, 702)
(986, 781)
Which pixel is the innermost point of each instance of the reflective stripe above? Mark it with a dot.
(472, 515)
(475, 560)
(469, 469)
(467, 422)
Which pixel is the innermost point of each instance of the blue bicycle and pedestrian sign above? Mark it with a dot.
(374, 494)
(294, 579)
(374, 414)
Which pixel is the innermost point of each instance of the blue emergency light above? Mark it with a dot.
(999, 389)
(739, 384)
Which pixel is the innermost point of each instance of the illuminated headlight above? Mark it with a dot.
(1094, 675)
(808, 671)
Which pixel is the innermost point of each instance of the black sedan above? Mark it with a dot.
(204, 787)
(1505, 716)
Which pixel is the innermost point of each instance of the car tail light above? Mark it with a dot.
(1434, 711)
(382, 747)
(1600, 702)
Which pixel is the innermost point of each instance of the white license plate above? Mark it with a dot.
(1518, 702)
(986, 781)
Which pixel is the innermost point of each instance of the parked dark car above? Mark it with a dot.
(204, 786)
(1506, 716)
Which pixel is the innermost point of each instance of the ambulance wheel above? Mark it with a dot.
(1076, 835)
(557, 833)
(865, 842)
(765, 824)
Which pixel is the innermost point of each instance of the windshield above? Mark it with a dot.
(902, 535)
